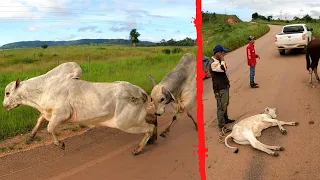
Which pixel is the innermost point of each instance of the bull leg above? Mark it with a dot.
(316, 73)
(278, 123)
(175, 118)
(53, 123)
(180, 107)
(258, 145)
(152, 119)
(36, 127)
(276, 148)
(310, 77)
(146, 128)
(194, 122)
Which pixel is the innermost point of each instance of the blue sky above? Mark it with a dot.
(245, 8)
(25, 20)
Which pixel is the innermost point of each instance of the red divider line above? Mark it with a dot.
(201, 138)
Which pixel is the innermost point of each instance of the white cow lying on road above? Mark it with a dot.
(246, 131)
(60, 96)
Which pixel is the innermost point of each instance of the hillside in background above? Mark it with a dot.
(27, 44)
(228, 31)
(31, 44)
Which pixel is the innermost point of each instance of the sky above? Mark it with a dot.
(52, 20)
(245, 8)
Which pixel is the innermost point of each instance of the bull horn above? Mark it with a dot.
(152, 80)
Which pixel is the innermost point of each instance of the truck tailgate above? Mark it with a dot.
(287, 39)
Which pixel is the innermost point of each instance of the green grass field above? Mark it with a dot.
(231, 36)
(315, 26)
(107, 64)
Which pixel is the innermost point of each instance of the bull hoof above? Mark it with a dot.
(135, 152)
(62, 145)
(275, 154)
(164, 134)
(296, 123)
(151, 141)
(284, 132)
(236, 151)
(281, 149)
(29, 139)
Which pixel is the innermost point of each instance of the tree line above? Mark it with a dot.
(307, 18)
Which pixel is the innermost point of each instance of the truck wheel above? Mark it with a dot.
(282, 52)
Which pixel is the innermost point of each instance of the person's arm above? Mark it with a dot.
(249, 57)
(217, 67)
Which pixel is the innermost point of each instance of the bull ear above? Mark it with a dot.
(152, 80)
(168, 94)
(18, 82)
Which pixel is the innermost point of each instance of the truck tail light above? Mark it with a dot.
(303, 36)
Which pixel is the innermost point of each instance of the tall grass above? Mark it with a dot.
(106, 64)
(231, 36)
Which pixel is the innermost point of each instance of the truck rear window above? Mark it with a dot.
(293, 29)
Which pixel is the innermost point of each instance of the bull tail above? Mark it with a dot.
(225, 142)
(308, 61)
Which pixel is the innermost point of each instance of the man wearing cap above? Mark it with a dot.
(251, 57)
(221, 85)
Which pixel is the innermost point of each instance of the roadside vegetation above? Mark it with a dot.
(103, 63)
(228, 31)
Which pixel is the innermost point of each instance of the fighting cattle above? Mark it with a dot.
(61, 96)
(177, 91)
(312, 58)
(246, 131)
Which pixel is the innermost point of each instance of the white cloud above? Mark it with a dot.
(33, 28)
(67, 38)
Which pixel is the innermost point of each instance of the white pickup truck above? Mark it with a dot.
(293, 36)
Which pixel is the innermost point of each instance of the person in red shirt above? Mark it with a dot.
(251, 57)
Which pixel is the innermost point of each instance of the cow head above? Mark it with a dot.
(160, 97)
(271, 112)
(11, 98)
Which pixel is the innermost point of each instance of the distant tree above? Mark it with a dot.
(255, 15)
(44, 46)
(134, 34)
(269, 18)
(296, 18)
(307, 18)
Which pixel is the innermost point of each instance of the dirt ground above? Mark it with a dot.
(103, 153)
(284, 85)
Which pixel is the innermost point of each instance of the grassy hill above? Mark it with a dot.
(29, 44)
(26, 44)
(107, 63)
(228, 30)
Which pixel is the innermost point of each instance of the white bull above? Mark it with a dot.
(62, 97)
(178, 89)
(246, 131)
